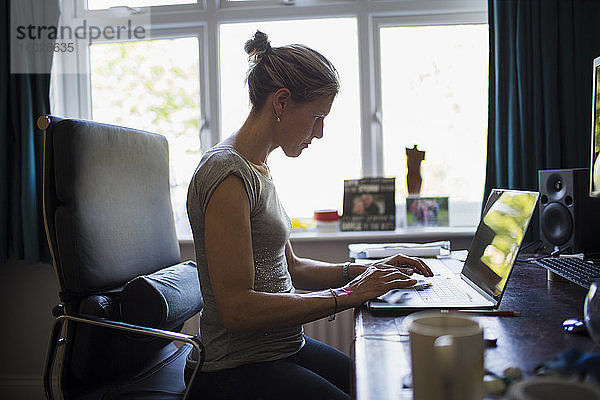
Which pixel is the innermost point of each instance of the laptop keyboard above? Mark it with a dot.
(442, 289)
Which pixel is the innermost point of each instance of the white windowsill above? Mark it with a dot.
(398, 235)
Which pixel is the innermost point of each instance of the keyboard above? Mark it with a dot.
(442, 289)
(574, 269)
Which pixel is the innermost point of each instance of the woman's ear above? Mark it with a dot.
(280, 99)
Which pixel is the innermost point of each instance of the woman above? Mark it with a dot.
(252, 319)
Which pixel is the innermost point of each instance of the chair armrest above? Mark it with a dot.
(124, 326)
(194, 340)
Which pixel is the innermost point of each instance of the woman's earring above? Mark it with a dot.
(278, 118)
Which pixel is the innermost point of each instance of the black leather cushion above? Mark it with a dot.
(102, 305)
(164, 299)
(113, 219)
(101, 354)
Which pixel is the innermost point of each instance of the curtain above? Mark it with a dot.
(24, 95)
(541, 54)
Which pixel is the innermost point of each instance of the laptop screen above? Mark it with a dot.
(499, 235)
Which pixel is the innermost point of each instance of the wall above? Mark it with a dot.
(29, 292)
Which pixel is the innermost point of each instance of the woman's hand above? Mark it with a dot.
(404, 264)
(375, 281)
(384, 275)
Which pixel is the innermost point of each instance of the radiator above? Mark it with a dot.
(338, 333)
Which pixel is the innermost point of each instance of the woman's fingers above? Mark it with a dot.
(417, 264)
(403, 283)
(397, 279)
(394, 272)
(401, 261)
(424, 268)
(394, 279)
(376, 281)
(404, 270)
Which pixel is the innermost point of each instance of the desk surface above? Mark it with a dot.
(536, 336)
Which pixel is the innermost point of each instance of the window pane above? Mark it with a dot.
(304, 184)
(153, 86)
(105, 4)
(434, 89)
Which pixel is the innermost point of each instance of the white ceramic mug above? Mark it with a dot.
(447, 356)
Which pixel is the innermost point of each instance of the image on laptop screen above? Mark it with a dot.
(498, 238)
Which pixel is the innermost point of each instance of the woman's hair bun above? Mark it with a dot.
(306, 73)
(258, 45)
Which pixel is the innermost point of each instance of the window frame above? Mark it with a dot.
(287, 3)
(203, 19)
(81, 10)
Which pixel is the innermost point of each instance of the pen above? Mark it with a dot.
(495, 313)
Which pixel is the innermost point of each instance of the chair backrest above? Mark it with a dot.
(107, 205)
(108, 216)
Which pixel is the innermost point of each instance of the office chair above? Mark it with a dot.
(124, 292)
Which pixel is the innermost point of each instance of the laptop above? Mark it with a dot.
(486, 269)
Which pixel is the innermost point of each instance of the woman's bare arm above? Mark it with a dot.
(228, 244)
(312, 274)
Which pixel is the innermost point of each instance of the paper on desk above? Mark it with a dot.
(368, 250)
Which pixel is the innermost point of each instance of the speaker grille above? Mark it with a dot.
(556, 223)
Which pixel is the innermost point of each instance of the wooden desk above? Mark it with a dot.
(382, 348)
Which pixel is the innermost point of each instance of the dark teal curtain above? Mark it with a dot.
(24, 95)
(541, 54)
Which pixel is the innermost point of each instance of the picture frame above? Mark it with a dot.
(369, 204)
(427, 211)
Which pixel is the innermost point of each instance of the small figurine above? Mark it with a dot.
(414, 157)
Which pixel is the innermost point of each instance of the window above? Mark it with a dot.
(245, 3)
(434, 82)
(105, 4)
(297, 178)
(185, 80)
(153, 86)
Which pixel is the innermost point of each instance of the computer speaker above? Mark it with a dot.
(569, 217)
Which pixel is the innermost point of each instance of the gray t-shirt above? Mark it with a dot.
(270, 228)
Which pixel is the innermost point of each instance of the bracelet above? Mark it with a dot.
(332, 316)
(345, 273)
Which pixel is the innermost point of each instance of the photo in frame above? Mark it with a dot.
(427, 211)
(369, 204)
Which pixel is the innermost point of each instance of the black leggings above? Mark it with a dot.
(316, 372)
